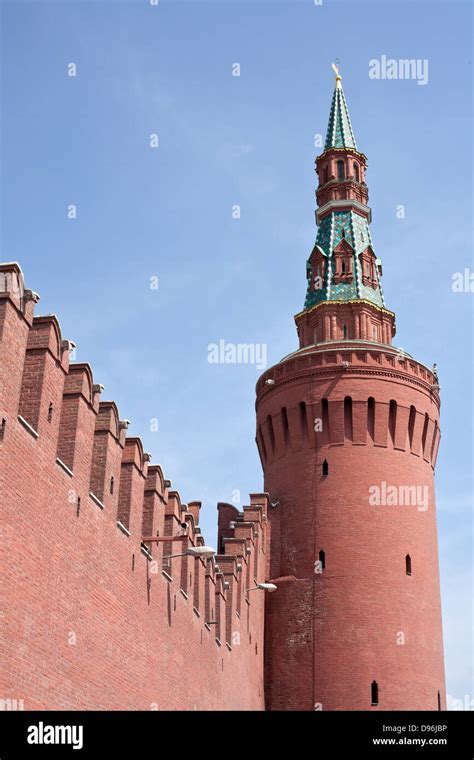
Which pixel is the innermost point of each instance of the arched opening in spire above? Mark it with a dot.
(356, 172)
(341, 172)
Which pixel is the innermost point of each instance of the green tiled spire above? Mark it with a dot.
(345, 216)
(339, 134)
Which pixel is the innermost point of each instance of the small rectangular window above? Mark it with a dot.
(374, 690)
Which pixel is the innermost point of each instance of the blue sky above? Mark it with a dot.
(167, 212)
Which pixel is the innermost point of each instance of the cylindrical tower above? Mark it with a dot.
(348, 434)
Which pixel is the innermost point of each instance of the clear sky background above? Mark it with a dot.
(245, 140)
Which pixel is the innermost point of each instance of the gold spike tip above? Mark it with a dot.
(338, 76)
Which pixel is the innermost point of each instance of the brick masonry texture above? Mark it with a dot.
(90, 619)
(95, 618)
(330, 634)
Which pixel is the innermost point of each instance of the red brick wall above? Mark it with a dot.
(329, 635)
(90, 621)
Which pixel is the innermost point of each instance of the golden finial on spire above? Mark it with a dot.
(335, 68)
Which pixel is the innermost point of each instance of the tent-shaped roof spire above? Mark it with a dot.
(339, 134)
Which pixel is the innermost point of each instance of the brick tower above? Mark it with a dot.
(348, 434)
